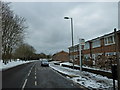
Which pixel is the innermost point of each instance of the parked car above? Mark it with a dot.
(44, 63)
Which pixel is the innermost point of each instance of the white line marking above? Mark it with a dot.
(35, 77)
(24, 84)
(35, 69)
(35, 73)
(32, 67)
(35, 83)
(30, 70)
(29, 73)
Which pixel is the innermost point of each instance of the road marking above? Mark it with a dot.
(29, 73)
(35, 69)
(35, 83)
(27, 79)
(32, 67)
(35, 73)
(35, 77)
(24, 84)
(30, 70)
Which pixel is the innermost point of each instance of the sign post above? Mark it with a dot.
(81, 42)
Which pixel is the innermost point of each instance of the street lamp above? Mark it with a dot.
(72, 36)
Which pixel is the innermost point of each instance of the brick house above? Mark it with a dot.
(61, 56)
(102, 46)
(74, 54)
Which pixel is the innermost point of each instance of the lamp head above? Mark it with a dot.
(66, 18)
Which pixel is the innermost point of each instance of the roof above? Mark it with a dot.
(60, 52)
(98, 37)
(103, 36)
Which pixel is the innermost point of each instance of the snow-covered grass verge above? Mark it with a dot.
(88, 80)
(92, 68)
(12, 64)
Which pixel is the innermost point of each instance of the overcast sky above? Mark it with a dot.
(49, 32)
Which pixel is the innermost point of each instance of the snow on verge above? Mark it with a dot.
(88, 80)
(68, 63)
(12, 64)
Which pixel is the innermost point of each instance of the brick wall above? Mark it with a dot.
(102, 49)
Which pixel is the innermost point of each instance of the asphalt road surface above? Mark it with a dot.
(32, 75)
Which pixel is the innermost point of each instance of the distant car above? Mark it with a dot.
(44, 63)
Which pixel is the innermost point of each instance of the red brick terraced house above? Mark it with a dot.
(74, 52)
(61, 56)
(103, 46)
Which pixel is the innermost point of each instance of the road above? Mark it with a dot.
(32, 75)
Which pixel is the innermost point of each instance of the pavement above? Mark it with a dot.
(33, 76)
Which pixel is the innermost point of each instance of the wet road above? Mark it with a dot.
(32, 75)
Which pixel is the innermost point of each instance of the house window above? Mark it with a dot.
(109, 40)
(96, 43)
(87, 45)
(110, 53)
(105, 40)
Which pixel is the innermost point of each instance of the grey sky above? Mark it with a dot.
(49, 32)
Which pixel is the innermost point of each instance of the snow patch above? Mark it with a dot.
(87, 79)
(12, 64)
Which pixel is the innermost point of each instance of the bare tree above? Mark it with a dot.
(12, 31)
(24, 51)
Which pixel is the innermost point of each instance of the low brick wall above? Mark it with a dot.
(107, 74)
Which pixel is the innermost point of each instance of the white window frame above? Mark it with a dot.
(113, 38)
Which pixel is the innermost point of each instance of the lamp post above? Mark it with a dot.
(72, 37)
